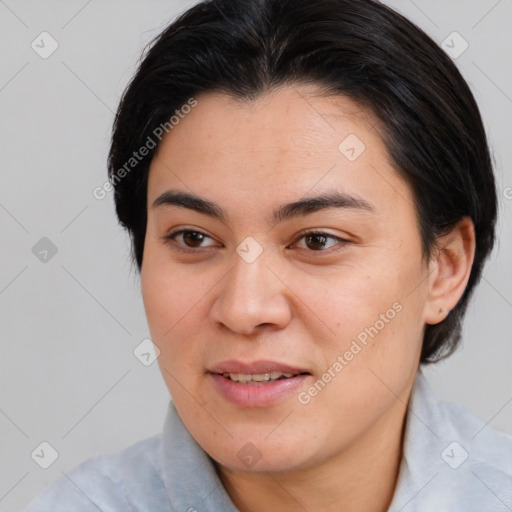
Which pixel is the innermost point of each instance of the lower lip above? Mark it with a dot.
(256, 395)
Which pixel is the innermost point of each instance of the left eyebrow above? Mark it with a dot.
(302, 207)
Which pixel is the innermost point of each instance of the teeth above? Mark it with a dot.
(256, 377)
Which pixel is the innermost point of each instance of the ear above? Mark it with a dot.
(449, 270)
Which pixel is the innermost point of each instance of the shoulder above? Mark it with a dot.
(477, 440)
(118, 481)
(475, 467)
(453, 460)
(486, 446)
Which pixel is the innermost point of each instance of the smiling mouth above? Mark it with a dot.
(257, 383)
(260, 378)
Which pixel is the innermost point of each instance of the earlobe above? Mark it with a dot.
(449, 270)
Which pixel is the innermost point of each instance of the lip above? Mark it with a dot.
(234, 366)
(256, 395)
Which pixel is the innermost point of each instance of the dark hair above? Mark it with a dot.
(361, 49)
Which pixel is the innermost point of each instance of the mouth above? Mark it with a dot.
(257, 384)
(257, 372)
(260, 378)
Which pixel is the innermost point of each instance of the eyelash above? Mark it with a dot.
(170, 239)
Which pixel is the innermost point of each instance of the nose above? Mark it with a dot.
(252, 296)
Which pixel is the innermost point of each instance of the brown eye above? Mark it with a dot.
(187, 238)
(317, 241)
(193, 238)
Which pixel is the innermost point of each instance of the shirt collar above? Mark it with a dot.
(422, 429)
(188, 471)
(442, 463)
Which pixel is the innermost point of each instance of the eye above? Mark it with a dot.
(316, 240)
(190, 239)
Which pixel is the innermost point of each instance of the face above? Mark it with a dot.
(286, 333)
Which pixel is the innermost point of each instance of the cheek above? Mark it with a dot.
(169, 306)
(356, 296)
(375, 313)
(171, 298)
(375, 351)
(170, 291)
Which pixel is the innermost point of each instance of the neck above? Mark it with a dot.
(362, 477)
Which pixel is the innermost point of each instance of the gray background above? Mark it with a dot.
(69, 325)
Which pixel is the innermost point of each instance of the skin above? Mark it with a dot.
(300, 302)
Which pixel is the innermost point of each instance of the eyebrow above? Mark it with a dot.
(302, 207)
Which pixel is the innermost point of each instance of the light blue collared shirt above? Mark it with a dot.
(452, 461)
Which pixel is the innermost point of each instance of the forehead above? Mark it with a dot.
(286, 144)
(291, 117)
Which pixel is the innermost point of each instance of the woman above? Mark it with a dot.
(310, 197)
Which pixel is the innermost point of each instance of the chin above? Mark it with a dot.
(259, 455)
